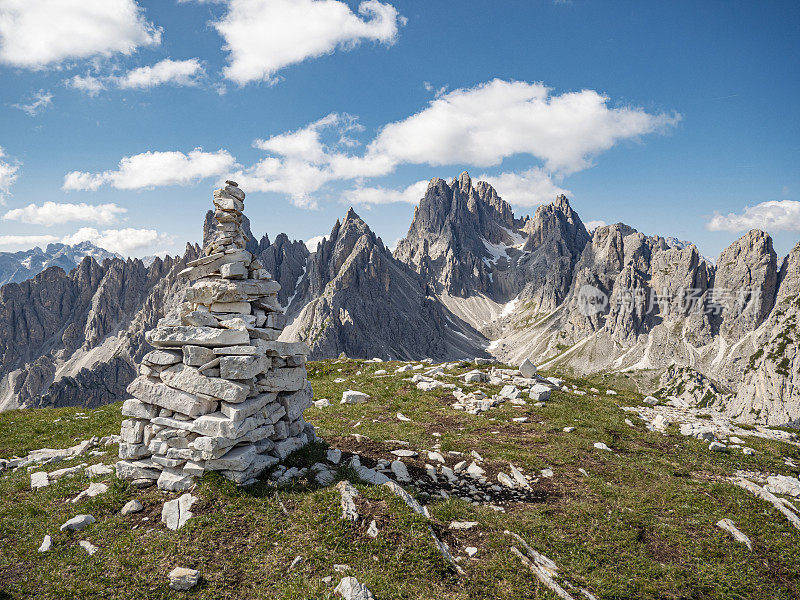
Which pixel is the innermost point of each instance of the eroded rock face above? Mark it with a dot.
(362, 302)
(71, 339)
(770, 390)
(459, 234)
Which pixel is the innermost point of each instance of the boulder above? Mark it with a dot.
(78, 523)
(176, 513)
(182, 579)
(354, 397)
(527, 369)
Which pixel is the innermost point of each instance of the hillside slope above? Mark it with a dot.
(636, 520)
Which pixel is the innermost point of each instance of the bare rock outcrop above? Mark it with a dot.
(361, 301)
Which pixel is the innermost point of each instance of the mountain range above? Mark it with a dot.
(19, 266)
(470, 279)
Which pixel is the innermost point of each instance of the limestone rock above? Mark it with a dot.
(354, 397)
(132, 506)
(182, 579)
(175, 513)
(78, 523)
(350, 589)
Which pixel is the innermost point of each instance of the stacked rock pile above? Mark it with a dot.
(219, 392)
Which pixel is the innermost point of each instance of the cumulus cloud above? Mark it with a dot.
(52, 213)
(175, 72)
(592, 225)
(301, 162)
(774, 215)
(40, 101)
(381, 195)
(155, 169)
(527, 188)
(312, 243)
(264, 36)
(482, 125)
(8, 175)
(479, 127)
(35, 34)
(26, 241)
(475, 127)
(128, 242)
(88, 84)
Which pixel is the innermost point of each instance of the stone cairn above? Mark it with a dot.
(219, 392)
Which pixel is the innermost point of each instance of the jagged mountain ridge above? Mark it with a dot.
(16, 267)
(361, 301)
(470, 279)
(638, 331)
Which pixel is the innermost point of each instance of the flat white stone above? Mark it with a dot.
(47, 543)
(88, 546)
(39, 479)
(98, 470)
(348, 494)
(133, 506)
(403, 453)
(94, 489)
(728, 525)
(400, 471)
(190, 380)
(239, 412)
(350, 589)
(175, 513)
(174, 482)
(354, 397)
(180, 335)
(78, 523)
(153, 392)
(182, 579)
(461, 525)
(527, 369)
(237, 459)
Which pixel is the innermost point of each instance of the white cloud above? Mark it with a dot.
(39, 33)
(481, 126)
(175, 72)
(381, 195)
(264, 36)
(52, 213)
(8, 175)
(154, 169)
(774, 215)
(312, 243)
(26, 241)
(89, 84)
(127, 242)
(37, 104)
(477, 126)
(592, 225)
(301, 162)
(528, 188)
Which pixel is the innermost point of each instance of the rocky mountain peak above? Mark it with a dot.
(559, 222)
(746, 282)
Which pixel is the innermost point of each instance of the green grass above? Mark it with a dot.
(641, 525)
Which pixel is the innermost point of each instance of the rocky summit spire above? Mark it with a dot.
(219, 392)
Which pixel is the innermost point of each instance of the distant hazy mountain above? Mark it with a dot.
(19, 266)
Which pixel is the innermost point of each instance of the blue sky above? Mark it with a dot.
(119, 117)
